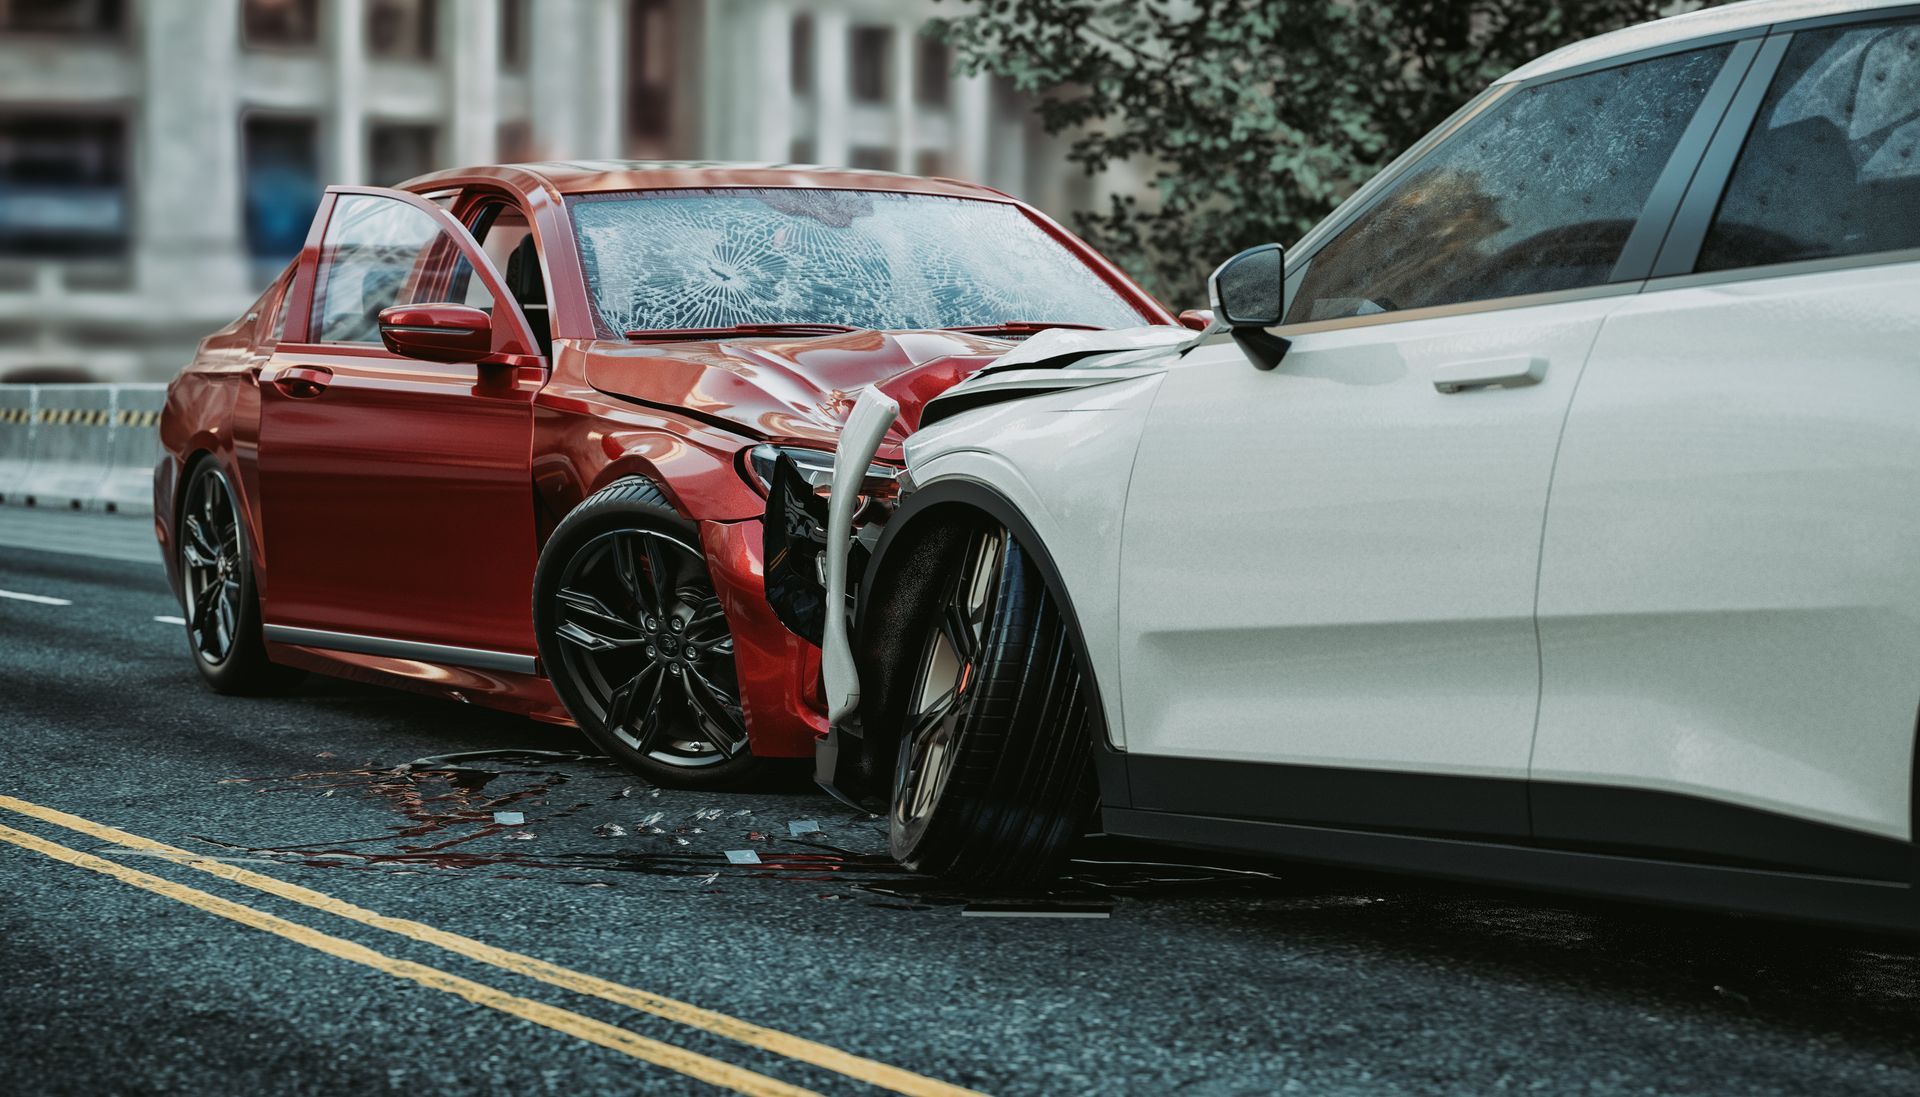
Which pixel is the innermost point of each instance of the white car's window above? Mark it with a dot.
(380, 252)
(1832, 166)
(695, 259)
(1539, 193)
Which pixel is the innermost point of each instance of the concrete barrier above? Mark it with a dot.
(74, 447)
(17, 406)
(133, 449)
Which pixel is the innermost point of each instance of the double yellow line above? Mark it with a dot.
(694, 1065)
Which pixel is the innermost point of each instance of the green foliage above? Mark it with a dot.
(1252, 118)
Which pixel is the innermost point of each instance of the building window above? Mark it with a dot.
(800, 151)
(62, 16)
(63, 185)
(871, 159)
(930, 162)
(513, 34)
(398, 151)
(800, 54)
(402, 29)
(280, 22)
(933, 74)
(649, 68)
(872, 63)
(282, 185)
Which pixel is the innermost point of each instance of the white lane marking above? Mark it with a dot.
(165, 620)
(40, 598)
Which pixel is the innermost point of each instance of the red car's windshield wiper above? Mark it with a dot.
(648, 334)
(1019, 327)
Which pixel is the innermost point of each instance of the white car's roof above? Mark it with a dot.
(1682, 28)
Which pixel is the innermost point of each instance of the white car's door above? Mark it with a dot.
(1330, 567)
(1730, 583)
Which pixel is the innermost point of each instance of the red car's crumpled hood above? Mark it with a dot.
(792, 389)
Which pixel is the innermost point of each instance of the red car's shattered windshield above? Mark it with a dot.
(682, 259)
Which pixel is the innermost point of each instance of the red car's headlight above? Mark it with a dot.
(816, 467)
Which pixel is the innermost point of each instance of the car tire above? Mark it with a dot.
(994, 786)
(632, 634)
(218, 598)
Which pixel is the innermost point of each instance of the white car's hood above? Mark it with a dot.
(1055, 359)
(1062, 358)
(1058, 348)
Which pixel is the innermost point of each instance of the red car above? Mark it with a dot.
(503, 434)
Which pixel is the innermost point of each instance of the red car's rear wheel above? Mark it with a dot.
(632, 633)
(216, 588)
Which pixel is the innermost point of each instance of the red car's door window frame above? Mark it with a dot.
(511, 338)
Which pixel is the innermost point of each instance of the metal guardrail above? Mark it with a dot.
(80, 447)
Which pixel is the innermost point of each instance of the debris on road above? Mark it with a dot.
(509, 818)
(803, 826)
(742, 857)
(610, 830)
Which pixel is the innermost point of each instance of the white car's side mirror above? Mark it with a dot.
(1247, 293)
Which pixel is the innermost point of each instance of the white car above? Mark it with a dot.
(1550, 514)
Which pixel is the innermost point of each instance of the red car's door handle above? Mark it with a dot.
(303, 382)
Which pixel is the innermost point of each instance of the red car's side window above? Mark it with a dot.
(379, 252)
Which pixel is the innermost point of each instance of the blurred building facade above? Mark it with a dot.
(160, 159)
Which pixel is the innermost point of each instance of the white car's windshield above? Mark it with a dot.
(702, 259)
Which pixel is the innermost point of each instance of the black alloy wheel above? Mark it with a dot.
(636, 642)
(644, 632)
(216, 588)
(210, 564)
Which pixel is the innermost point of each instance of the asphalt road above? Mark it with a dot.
(1196, 980)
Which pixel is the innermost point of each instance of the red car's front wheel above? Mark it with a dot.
(634, 638)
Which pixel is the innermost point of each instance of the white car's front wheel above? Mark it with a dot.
(993, 774)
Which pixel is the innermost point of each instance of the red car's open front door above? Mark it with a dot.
(396, 490)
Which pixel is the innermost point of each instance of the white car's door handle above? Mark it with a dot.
(1489, 373)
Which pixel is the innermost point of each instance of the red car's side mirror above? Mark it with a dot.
(437, 333)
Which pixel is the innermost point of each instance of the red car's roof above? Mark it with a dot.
(588, 176)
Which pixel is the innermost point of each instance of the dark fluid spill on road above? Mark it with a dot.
(445, 793)
(448, 802)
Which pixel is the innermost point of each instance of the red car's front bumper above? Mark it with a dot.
(779, 672)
